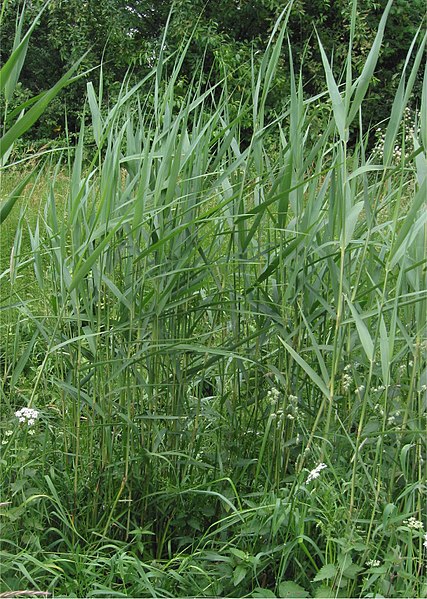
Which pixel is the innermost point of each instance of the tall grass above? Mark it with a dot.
(210, 321)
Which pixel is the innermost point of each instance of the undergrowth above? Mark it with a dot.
(223, 351)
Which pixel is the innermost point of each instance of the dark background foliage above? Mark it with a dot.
(127, 35)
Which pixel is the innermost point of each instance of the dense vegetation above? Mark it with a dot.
(226, 36)
(213, 334)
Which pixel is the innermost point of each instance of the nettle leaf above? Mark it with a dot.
(325, 572)
(289, 589)
(324, 592)
(352, 571)
(344, 561)
(261, 593)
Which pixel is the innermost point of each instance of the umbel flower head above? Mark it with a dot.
(27, 415)
(414, 523)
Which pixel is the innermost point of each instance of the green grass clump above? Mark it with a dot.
(226, 350)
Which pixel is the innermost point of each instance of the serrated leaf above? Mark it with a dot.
(261, 593)
(352, 571)
(359, 546)
(344, 560)
(324, 592)
(327, 571)
(289, 589)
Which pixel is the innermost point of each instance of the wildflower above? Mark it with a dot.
(373, 563)
(414, 523)
(27, 415)
(315, 473)
(32, 432)
(425, 541)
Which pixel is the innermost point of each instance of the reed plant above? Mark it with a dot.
(223, 357)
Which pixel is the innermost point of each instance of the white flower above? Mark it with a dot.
(28, 415)
(425, 541)
(414, 523)
(373, 563)
(315, 473)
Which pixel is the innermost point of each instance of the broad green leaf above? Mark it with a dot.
(325, 573)
(352, 571)
(260, 593)
(290, 590)
(238, 553)
(324, 592)
(344, 561)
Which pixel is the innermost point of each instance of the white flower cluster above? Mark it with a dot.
(27, 415)
(409, 131)
(414, 523)
(373, 563)
(425, 541)
(315, 473)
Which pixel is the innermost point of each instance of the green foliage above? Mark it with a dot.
(226, 38)
(220, 321)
